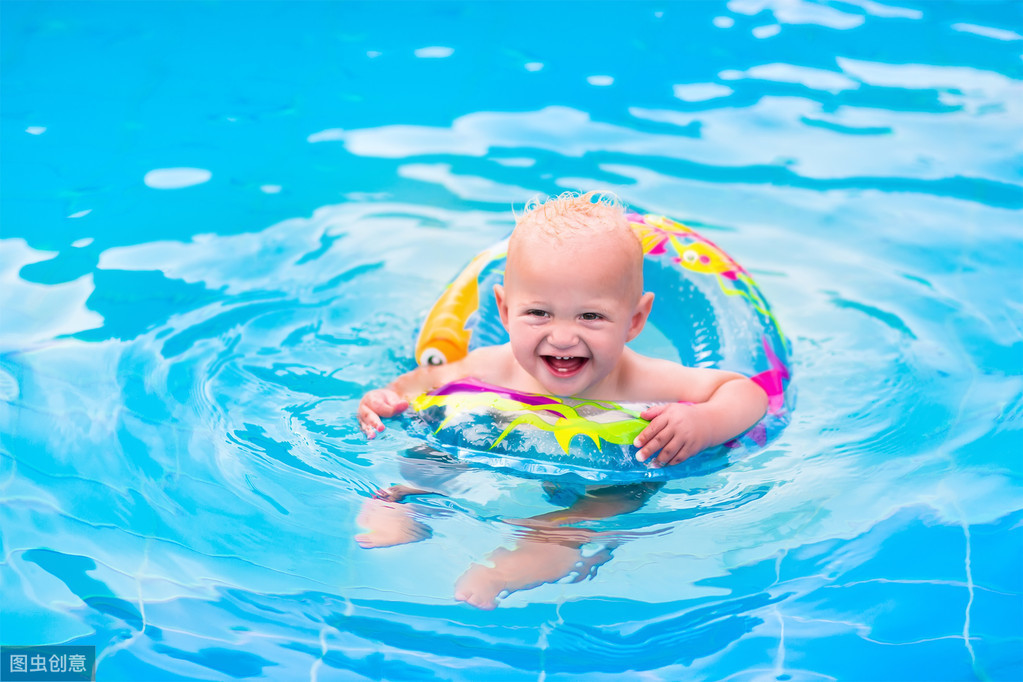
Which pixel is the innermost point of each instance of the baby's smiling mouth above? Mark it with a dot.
(564, 365)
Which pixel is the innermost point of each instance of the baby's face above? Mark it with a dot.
(569, 314)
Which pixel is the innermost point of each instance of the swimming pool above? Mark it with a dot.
(222, 222)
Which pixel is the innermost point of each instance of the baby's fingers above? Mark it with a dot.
(369, 422)
(676, 451)
(386, 403)
(653, 412)
(651, 439)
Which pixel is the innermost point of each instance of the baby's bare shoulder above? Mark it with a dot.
(637, 366)
(641, 375)
(657, 379)
(492, 364)
(490, 354)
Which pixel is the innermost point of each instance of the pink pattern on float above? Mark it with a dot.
(473, 385)
(773, 380)
(657, 232)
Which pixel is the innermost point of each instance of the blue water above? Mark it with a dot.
(222, 222)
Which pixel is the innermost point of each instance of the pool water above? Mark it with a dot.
(222, 222)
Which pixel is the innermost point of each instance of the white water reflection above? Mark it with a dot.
(434, 52)
(798, 12)
(471, 187)
(899, 144)
(34, 313)
(768, 31)
(878, 9)
(815, 79)
(988, 31)
(176, 178)
(700, 92)
(993, 85)
(279, 258)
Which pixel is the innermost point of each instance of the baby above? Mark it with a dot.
(571, 300)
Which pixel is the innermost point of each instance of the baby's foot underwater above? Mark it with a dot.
(389, 524)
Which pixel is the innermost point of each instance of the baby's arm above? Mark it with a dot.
(717, 406)
(394, 398)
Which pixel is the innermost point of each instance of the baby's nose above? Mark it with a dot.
(562, 336)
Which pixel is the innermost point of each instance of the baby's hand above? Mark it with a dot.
(675, 430)
(380, 402)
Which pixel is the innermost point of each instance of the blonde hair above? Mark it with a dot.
(571, 217)
(571, 213)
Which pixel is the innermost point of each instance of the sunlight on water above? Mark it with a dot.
(181, 471)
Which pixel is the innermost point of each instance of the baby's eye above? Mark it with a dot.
(589, 317)
(535, 312)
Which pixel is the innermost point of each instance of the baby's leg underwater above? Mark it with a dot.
(530, 564)
(387, 519)
(389, 522)
(549, 551)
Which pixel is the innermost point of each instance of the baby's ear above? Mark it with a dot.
(502, 307)
(639, 317)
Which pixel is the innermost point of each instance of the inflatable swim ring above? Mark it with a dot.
(706, 305)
